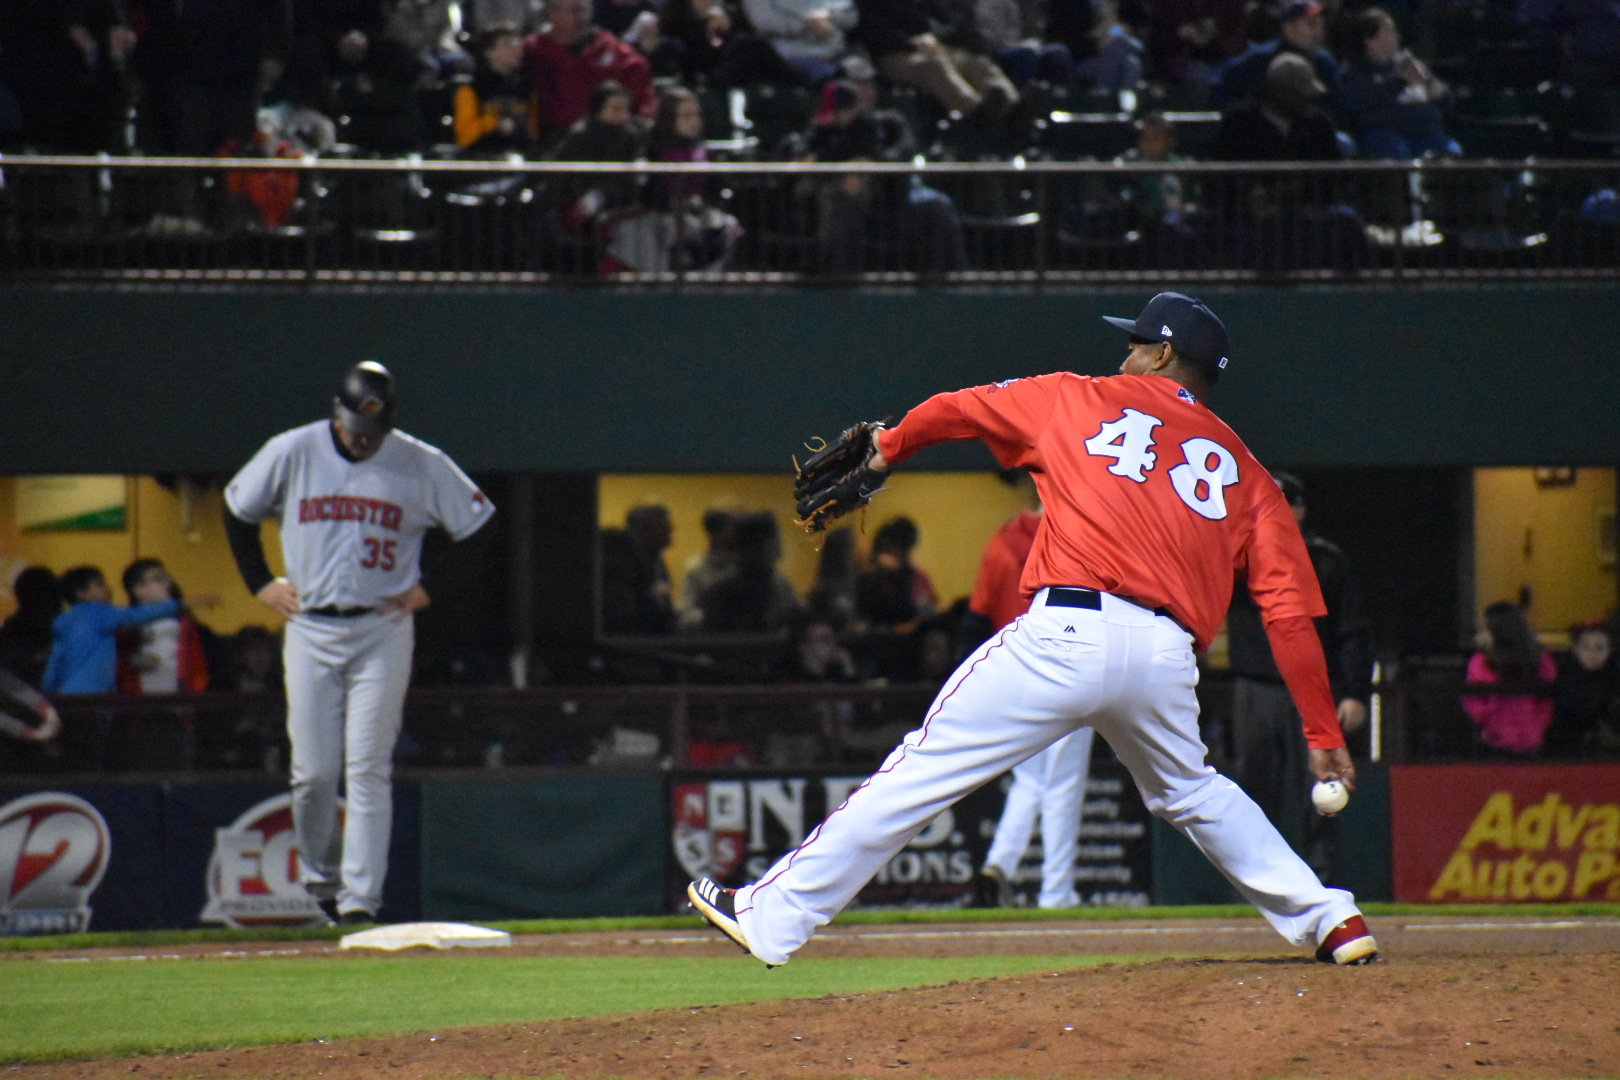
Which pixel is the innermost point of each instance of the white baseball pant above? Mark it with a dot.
(1122, 670)
(346, 683)
(1050, 786)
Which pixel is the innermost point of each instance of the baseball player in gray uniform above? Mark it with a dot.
(353, 498)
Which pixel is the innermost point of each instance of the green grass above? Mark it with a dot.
(82, 1010)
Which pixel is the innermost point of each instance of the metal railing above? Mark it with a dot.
(639, 727)
(336, 221)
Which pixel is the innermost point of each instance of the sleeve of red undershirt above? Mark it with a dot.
(1298, 652)
(1007, 416)
(1283, 583)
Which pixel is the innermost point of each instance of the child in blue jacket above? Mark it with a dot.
(84, 655)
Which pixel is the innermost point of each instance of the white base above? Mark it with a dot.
(435, 935)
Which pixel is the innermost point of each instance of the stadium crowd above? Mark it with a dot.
(813, 80)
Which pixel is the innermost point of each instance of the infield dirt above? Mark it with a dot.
(1460, 999)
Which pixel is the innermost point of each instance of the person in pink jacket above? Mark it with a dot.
(1509, 653)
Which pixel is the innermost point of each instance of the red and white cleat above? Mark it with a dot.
(1348, 943)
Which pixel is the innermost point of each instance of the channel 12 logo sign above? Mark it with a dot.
(54, 849)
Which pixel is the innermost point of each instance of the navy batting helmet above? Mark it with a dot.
(365, 401)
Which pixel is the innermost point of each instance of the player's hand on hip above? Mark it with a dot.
(1352, 715)
(1334, 765)
(408, 602)
(281, 595)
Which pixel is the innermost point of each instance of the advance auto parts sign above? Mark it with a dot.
(53, 851)
(253, 874)
(1506, 833)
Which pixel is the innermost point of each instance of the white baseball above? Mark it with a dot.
(1330, 796)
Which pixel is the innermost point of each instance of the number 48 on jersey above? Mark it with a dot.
(1206, 471)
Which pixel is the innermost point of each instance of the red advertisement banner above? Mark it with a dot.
(1505, 833)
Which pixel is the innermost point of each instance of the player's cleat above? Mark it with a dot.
(718, 906)
(991, 889)
(359, 917)
(329, 909)
(1348, 943)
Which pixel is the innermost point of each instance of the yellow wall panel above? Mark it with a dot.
(1544, 538)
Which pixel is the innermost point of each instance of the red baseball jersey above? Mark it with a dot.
(997, 595)
(1148, 495)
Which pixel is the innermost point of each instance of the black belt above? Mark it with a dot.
(336, 612)
(1091, 599)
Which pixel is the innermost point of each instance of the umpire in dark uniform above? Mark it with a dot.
(1270, 760)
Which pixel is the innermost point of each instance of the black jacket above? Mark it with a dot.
(1345, 631)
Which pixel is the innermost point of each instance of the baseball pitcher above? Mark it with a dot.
(1154, 508)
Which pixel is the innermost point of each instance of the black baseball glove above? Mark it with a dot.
(837, 479)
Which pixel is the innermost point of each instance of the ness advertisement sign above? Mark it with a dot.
(1506, 833)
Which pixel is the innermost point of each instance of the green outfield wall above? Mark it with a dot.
(153, 381)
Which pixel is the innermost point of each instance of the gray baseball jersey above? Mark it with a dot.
(351, 532)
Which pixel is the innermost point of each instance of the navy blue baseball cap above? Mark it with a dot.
(1185, 323)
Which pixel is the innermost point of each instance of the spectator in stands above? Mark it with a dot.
(1304, 30)
(855, 209)
(699, 39)
(526, 15)
(571, 57)
(1587, 33)
(346, 66)
(832, 597)
(893, 593)
(900, 36)
(68, 65)
(26, 637)
(1391, 101)
(1104, 51)
(1189, 40)
(428, 30)
(1158, 201)
(636, 595)
(809, 35)
(1512, 724)
(706, 568)
(163, 656)
(1010, 32)
(753, 597)
(1284, 122)
(1286, 219)
(592, 206)
(690, 231)
(818, 655)
(495, 112)
(1586, 714)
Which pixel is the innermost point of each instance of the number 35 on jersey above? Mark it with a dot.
(1206, 468)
